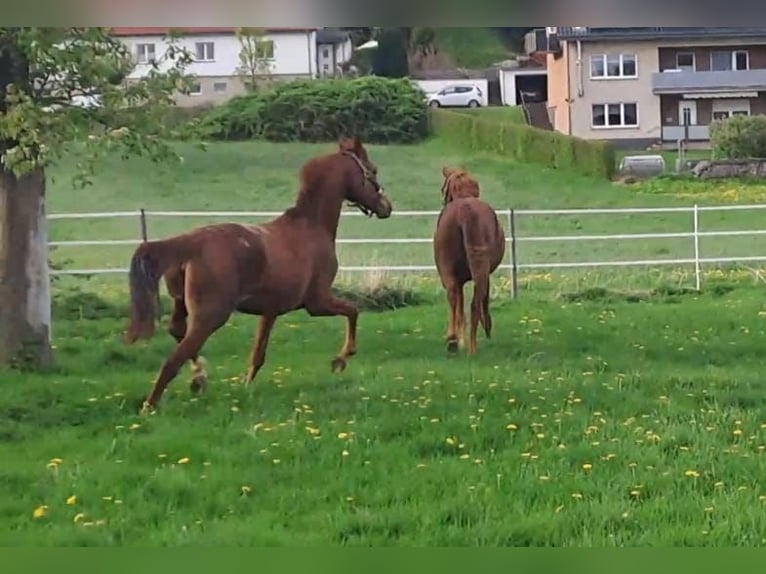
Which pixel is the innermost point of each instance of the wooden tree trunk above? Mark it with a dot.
(25, 305)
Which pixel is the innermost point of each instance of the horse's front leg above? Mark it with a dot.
(327, 305)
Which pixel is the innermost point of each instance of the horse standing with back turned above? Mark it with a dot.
(469, 244)
(286, 264)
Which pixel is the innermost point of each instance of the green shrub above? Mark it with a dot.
(739, 137)
(378, 110)
(524, 143)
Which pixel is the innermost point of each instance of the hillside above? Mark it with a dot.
(473, 47)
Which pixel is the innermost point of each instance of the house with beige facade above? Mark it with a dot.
(288, 53)
(655, 85)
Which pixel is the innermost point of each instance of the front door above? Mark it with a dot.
(687, 113)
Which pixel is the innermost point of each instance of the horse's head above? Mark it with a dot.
(362, 188)
(458, 183)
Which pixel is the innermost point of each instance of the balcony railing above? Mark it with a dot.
(676, 82)
(695, 133)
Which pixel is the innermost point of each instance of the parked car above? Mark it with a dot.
(456, 95)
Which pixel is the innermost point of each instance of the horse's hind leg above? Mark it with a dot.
(177, 328)
(453, 331)
(201, 326)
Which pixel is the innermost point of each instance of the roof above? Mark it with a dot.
(160, 31)
(586, 33)
(332, 36)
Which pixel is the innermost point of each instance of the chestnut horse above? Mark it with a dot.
(286, 264)
(469, 243)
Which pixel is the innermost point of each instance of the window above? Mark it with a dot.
(724, 109)
(686, 61)
(615, 115)
(325, 52)
(195, 89)
(145, 53)
(725, 60)
(219, 87)
(205, 51)
(264, 49)
(613, 66)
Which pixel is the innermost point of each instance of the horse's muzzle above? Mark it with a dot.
(384, 207)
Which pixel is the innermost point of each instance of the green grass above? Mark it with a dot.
(593, 417)
(472, 47)
(591, 421)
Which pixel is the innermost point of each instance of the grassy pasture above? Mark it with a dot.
(592, 417)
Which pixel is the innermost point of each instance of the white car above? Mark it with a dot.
(456, 95)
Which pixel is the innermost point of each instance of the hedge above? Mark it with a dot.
(378, 110)
(525, 143)
(739, 137)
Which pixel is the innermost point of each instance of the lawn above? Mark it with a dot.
(596, 422)
(591, 418)
(511, 114)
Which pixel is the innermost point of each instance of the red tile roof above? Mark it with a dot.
(159, 31)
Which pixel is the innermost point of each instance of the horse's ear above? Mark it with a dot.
(447, 171)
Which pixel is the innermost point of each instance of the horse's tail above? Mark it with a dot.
(477, 253)
(148, 264)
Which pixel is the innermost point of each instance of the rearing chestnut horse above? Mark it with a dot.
(469, 243)
(286, 264)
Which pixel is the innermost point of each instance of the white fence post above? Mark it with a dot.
(697, 274)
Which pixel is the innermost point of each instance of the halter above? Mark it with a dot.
(367, 176)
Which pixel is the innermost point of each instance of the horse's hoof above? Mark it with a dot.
(198, 384)
(338, 364)
(146, 409)
(452, 347)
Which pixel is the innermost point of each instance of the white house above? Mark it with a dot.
(291, 53)
(334, 48)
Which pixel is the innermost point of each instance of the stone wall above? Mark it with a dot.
(716, 169)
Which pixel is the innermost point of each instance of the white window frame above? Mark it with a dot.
(218, 84)
(622, 124)
(146, 52)
(198, 92)
(733, 59)
(207, 47)
(266, 42)
(606, 76)
(694, 61)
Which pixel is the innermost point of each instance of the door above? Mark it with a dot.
(687, 113)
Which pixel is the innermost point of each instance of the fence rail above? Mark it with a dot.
(513, 239)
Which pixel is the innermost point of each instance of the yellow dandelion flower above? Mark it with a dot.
(465, 456)
(246, 489)
(587, 467)
(540, 435)
(134, 426)
(345, 453)
(40, 511)
(276, 461)
(692, 473)
(78, 517)
(512, 427)
(635, 493)
(184, 460)
(577, 496)
(559, 508)
(737, 432)
(450, 441)
(72, 500)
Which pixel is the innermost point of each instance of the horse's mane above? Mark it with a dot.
(459, 183)
(315, 176)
